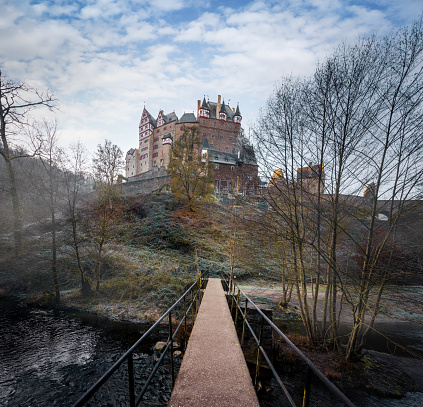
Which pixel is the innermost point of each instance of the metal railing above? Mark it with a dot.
(189, 302)
(234, 293)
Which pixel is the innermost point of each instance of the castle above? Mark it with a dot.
(221, 139)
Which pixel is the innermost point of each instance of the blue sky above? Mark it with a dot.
(104, 58)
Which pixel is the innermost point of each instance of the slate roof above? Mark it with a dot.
(246, 151)
(237, 112)
(206, 143)
(229, 113)
(171, 117)
(188, 118)
(151, 119)
(204, 104)
(220, 157)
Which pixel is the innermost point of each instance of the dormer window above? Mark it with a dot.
(222, 116)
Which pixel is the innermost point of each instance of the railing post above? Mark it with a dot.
(232, 304)
(258, 353)
(185, 324)
(236, 311)
(192, 308)
(307, 387)
(131, 380)
(196, 300)
(172, 370)
(243, 321)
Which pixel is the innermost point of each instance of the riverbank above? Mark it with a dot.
(391, 364)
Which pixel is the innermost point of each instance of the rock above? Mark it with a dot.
(406, 365)
(160, 345)
(384, 379)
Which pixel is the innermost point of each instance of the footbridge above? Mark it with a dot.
(214, 371)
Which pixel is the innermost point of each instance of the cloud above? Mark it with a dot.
(168, 5)
(104, 58)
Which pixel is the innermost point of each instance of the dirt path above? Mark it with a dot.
(398, 303)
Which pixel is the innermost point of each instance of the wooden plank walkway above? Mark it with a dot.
(213, 371)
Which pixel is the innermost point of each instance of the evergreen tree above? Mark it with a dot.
(191, 176)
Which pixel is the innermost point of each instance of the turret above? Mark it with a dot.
(237, 117)
(222, 114)
(204, 111)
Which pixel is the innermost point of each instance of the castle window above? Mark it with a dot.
(214, 123)
(156, 146)
(226, 150)
(221, 137)
(213, 136)
(233, 150)
(232, 168)
(216, 166)
(230, 139)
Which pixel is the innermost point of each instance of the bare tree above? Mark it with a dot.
(359, 119)
(107, 163)
(49, 187)
(76, 180)
(17, 100)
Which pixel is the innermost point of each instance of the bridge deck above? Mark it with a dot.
(213, 371)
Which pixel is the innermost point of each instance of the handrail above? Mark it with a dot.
(311, 368)
(194, 302)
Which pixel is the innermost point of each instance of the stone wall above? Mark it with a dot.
(146, 182)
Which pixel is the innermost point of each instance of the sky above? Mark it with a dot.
(104, 60)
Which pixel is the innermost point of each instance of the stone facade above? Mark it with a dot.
(235, 166)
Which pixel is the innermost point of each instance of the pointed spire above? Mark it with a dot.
(206, 143)
(204, 104)
(237, 116)
(223, 107)
(223, 115)
(237, 113)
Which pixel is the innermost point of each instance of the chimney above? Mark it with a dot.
(198, 107)
(218, 106)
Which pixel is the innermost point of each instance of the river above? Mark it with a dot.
(51, 358)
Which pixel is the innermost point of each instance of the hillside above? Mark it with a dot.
(154, 250)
